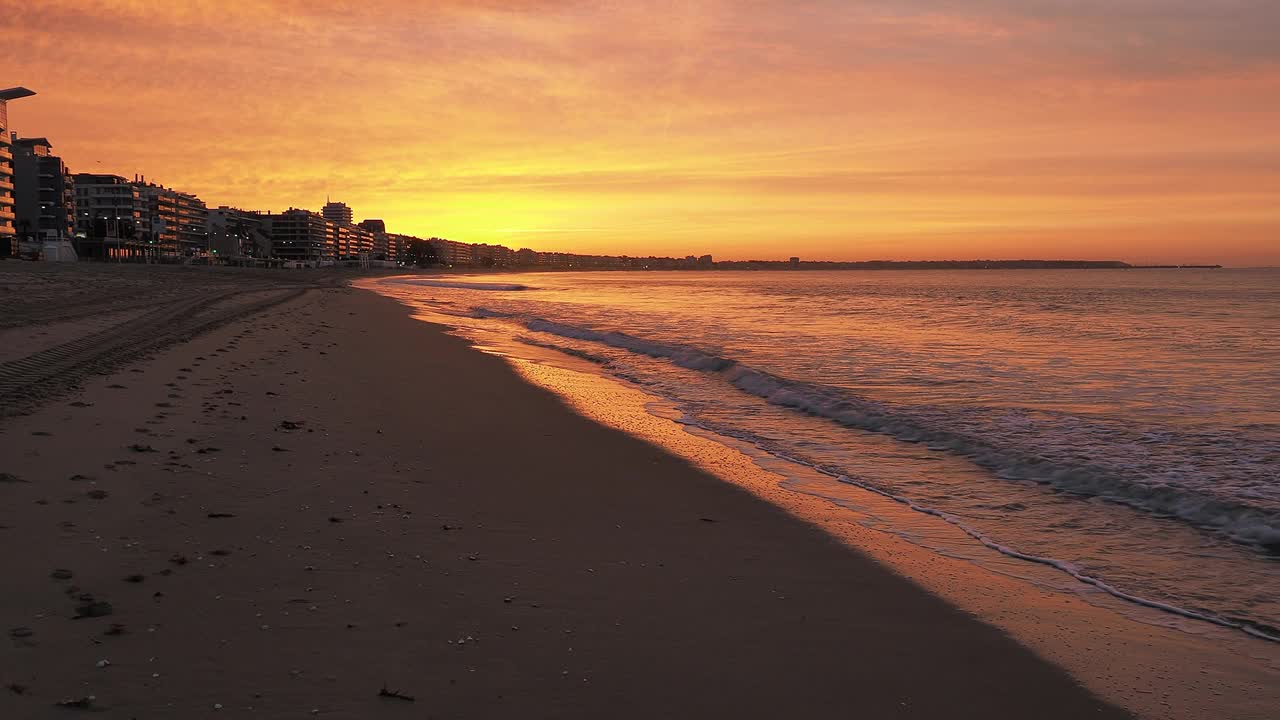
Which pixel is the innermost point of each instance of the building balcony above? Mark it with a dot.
(6, 213)
(4, 153)
(6, 185)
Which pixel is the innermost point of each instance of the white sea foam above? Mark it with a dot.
(1239, 521)
(457, 284)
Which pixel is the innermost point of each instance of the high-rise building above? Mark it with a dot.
(8, 232)
(337, 212)
(302, 236)
(44, 192)
(109, 219)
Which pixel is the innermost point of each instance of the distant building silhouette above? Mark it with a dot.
(337, 212)
(453, 253)
(44, 191)
(384, 244)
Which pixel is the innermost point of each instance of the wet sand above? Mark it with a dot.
(302, 507)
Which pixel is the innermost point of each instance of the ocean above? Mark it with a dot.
(1119, 426)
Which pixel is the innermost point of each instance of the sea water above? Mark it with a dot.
(1119, 426)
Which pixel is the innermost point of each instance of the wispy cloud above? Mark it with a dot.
(645, 124)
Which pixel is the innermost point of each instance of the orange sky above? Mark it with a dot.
(1143, 130)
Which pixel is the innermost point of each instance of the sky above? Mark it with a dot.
(1139, 130)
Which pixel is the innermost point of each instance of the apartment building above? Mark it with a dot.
(44, 192)
(302, 236)
(237, 236)
(174, 222)
(109, 218)
(8, 230)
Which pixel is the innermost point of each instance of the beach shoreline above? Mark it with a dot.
(1153, 662)
(297, 509)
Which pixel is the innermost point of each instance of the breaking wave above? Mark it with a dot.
(1239, 521)
(457, 284)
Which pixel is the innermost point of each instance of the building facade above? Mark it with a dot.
(109, 217)
(237, 237)
(486, 255)
(174, 223)
(302, 236)
(193, 215)
(8, 229)
(44, 192)
(337, 212)
(452, 252)
(383, 242)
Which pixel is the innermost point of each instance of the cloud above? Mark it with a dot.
(436, 114)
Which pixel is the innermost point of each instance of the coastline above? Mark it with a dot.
(374, 504)
(1151, 660)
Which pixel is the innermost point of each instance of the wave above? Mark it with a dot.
(457, 284)
(582, 354)
(1240, 522)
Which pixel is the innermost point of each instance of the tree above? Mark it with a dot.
(421, 253)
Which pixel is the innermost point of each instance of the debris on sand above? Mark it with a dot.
(90, 608)
(393, 694)
(291, 424)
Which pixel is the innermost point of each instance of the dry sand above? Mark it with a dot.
(301, 507)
